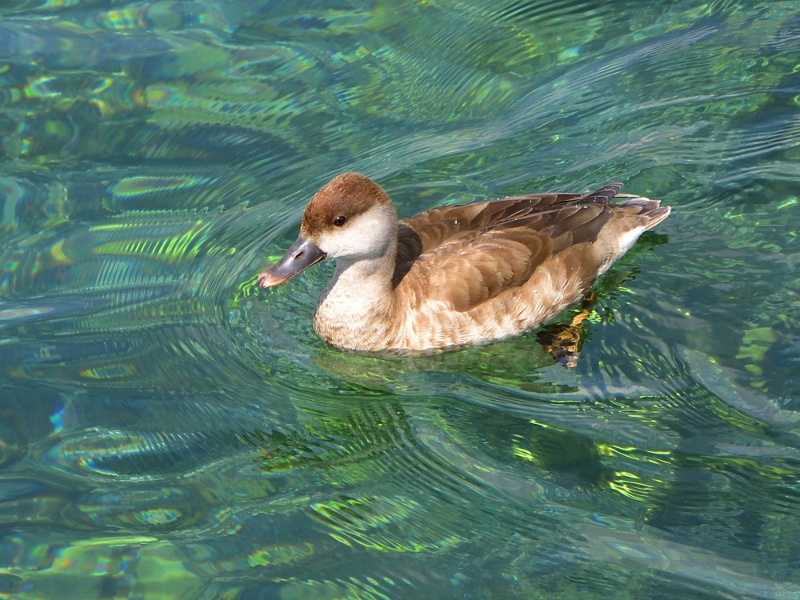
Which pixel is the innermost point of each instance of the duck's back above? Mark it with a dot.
(479, 272)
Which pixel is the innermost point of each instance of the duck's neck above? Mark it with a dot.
(357, 309)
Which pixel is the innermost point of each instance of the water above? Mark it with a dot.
(170, 431)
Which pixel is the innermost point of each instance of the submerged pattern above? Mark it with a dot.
(169, 431)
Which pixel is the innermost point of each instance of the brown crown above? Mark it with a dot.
(347, 195)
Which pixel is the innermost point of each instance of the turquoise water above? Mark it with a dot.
(169, 431)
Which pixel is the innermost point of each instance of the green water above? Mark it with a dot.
(169, 431)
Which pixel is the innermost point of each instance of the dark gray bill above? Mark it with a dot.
(301, 255)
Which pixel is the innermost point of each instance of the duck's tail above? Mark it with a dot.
(651, 210)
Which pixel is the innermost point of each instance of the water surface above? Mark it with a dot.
(170, 431)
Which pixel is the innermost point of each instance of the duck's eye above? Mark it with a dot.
(340, 220)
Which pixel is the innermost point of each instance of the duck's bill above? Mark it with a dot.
(301, 255)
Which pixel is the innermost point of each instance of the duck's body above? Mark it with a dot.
(455, 275)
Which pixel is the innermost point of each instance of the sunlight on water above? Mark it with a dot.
(170, 431)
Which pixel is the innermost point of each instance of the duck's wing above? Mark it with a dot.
(430, 229)
(505, 243)
(472, 268)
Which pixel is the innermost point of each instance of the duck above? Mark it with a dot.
(455, 275)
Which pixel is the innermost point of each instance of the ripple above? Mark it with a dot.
(156, 155)
(131, 456)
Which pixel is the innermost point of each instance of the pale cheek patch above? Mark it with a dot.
(366, 236)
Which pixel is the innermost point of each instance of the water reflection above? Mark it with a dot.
(169, 431)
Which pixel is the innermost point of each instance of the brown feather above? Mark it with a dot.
(471, 268)
(432, 228)
(465, 255)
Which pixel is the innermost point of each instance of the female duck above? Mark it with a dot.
(455, 275)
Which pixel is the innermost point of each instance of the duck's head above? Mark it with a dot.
(350, 218)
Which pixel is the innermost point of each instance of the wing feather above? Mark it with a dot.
(470, 269)
(465, 255)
